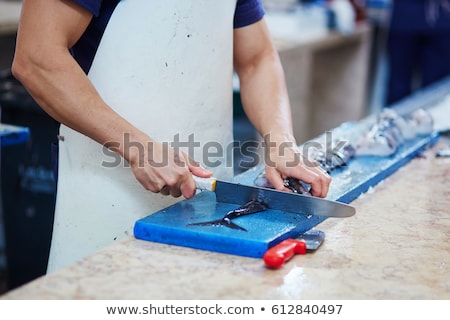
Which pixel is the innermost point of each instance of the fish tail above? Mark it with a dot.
(230, 224)
(220, 222)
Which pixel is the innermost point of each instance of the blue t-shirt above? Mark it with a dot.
(246, 13)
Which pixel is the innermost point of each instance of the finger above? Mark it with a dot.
(323, 177)
(188, 188)
(275, 178)
(326, 185)
(325, 181)
(316, 186)
(174, 183)
(196, 168)
(148, 183)
(309, 176)
(166, 190)
(319, 184)
(175, 192)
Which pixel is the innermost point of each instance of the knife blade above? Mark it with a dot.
(236, 193)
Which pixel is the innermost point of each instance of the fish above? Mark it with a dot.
(336, 159)
(422, 121)
(377, 142)
(385, 136)
(250, 207)
(295, 185)
(391, 130)
(405, 127)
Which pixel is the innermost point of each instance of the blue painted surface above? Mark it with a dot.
(10, 135)
(265, 229)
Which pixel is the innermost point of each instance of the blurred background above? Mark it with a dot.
(343, 59)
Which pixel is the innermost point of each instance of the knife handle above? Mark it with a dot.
(276, 256)
(208, 184)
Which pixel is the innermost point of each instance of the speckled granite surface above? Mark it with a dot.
(396, 247)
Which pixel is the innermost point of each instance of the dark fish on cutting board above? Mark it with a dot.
(250, 207)
(295, 185)
(335, 160)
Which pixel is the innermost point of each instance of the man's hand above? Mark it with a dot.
(161, 169)
(284, 160)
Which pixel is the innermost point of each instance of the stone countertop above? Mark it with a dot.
(395, 247)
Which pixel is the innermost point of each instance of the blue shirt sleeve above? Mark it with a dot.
(86, 47)
(92, 5)
(248, 12)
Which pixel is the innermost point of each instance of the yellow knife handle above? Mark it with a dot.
(205, 183)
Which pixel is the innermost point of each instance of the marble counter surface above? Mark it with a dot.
(395, 247)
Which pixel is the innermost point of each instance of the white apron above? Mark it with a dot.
(165, 66)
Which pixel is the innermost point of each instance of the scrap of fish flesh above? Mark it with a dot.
(405, 127)
(378, 144)
(381, 140)
(422, 121)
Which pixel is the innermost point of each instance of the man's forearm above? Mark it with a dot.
(62, 89)
(262, 83)
(265, 99)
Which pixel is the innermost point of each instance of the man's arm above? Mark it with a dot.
(266, 103)
(43, 63)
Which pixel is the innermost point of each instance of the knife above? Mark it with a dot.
(276, 256)
(236, 193)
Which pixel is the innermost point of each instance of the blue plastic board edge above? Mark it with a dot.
(206, 242)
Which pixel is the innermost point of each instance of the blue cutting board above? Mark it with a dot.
(267, 228)
(264, 229)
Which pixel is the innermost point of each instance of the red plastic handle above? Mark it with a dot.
(276, 256)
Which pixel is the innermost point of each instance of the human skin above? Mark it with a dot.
(43, 63)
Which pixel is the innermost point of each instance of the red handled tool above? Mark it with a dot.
(276, 256)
